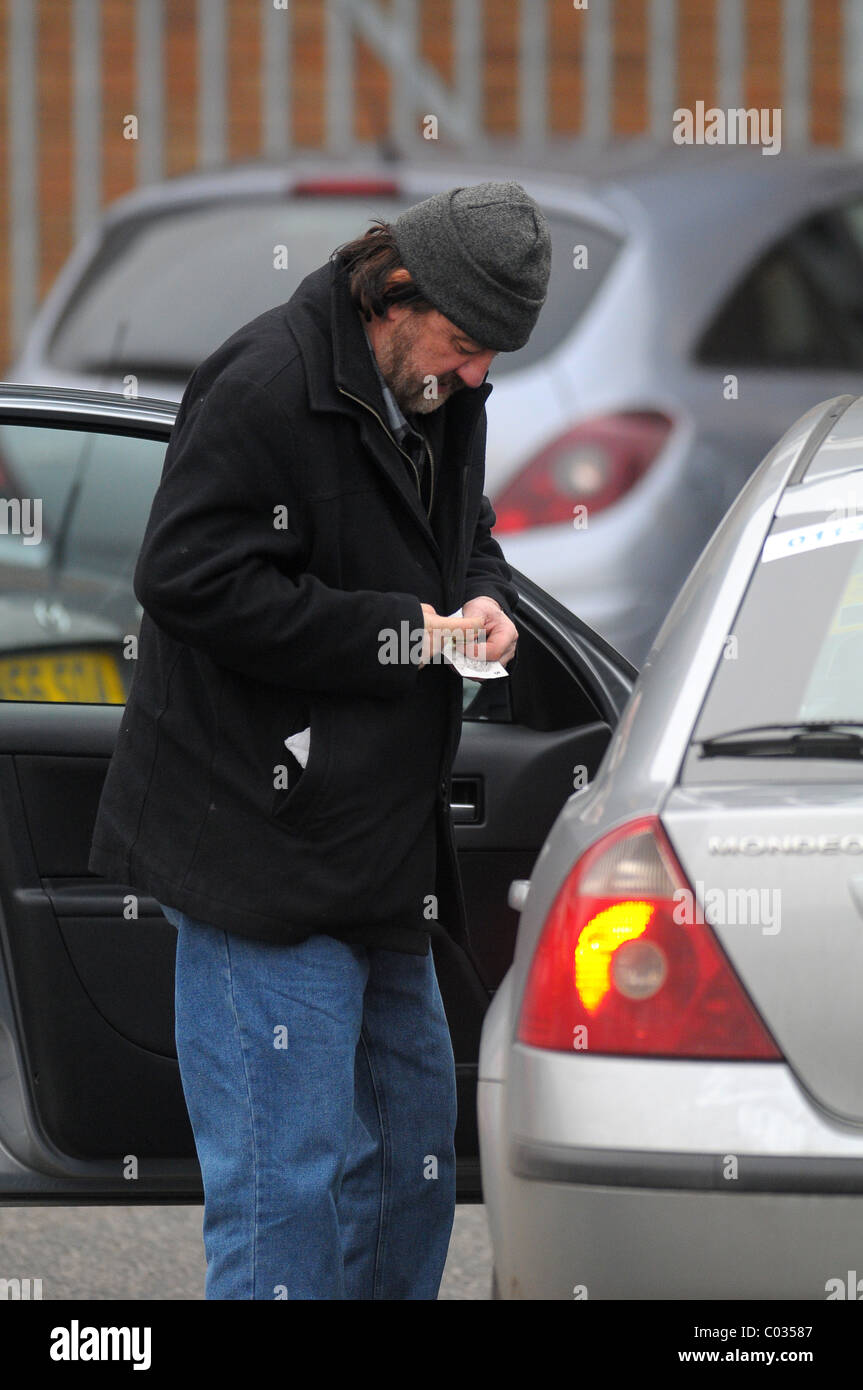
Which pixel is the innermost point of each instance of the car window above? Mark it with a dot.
(801, 305)
(73, 507)
(845, 271)
(164, 291)
(795, 652)
(582, 254)
(486, 701)
(776, 319)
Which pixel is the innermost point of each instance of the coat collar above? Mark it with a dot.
(340, 376)
(329, 334)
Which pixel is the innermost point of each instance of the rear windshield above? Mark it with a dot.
(164, 291)
(795, 653)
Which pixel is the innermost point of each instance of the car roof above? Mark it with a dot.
(838, 453)
(741, 171)
(415, 179)
(646, 172)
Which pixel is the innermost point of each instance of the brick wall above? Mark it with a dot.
(695, 57)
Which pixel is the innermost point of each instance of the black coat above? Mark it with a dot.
(254, 630)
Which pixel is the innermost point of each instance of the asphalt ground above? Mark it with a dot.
(150, 1252)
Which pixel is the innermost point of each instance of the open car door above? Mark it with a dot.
(91, 1104)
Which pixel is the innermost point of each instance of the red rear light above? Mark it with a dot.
(344, 188)
(617, 970)
(592, 465)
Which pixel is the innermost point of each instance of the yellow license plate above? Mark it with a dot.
(79, 677)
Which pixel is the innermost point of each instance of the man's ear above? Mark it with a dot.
(397, 277)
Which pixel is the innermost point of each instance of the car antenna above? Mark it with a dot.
(113, 361)
(58, 553)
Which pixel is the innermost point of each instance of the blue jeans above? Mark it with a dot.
(320, 1084)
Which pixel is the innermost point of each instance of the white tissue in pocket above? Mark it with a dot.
(299, 745)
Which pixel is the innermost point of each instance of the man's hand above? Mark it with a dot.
(437, 624)
(501, 634)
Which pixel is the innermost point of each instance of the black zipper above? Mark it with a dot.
(431, 473)
(391, 436)
(464, 475)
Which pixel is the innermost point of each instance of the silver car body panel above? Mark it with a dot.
(806, 989)
(653, 735)
(639, 1177)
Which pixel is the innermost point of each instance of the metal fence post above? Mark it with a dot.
(22, 182)
(149, 80)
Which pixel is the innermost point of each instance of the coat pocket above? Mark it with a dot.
(304, 783)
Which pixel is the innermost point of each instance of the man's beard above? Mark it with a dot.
(405, 377)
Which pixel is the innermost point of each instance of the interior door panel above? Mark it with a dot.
(93, 984)
(92, 991)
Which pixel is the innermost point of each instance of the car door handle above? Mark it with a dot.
(465, 805)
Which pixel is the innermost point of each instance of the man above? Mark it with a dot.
(280, 783)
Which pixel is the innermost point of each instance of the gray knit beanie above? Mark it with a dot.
(482, 256)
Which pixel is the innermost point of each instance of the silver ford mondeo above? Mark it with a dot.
(671, 1074)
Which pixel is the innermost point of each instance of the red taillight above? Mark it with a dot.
(344, 188)
(592, 465)
(618, 970)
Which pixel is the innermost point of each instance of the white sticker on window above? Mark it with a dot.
(816, 537)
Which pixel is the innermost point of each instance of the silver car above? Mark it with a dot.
(670, 1092)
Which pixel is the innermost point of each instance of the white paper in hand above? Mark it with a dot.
(470, 666)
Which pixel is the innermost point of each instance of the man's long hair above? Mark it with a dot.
(369, 261)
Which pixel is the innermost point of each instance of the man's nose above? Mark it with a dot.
(473, 372)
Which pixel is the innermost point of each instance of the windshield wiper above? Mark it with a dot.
(813, 739)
